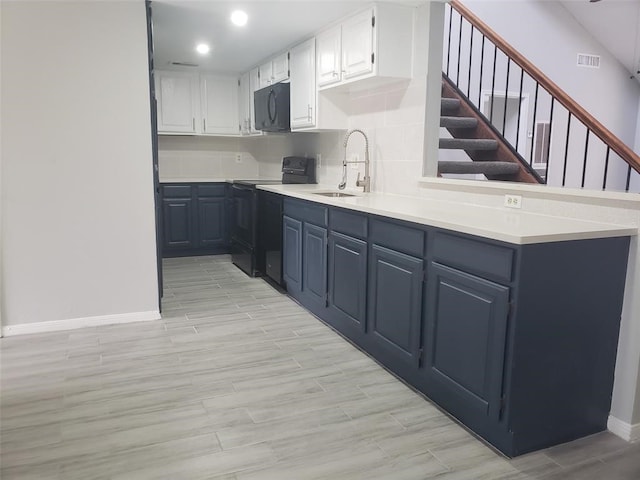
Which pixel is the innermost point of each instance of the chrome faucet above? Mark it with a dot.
(366, 181)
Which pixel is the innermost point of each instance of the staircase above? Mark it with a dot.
(564, 144)
(490, 154)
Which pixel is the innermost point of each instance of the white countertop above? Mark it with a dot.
(503, 224)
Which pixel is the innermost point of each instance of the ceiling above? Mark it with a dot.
(276, 25)
(273, 26)
(615, 24)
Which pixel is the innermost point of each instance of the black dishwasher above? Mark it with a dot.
(270, 235)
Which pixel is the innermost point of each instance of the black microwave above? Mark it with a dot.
(272, 108)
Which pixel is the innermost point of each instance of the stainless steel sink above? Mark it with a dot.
(335, 194)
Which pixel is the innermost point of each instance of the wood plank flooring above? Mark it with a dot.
(238, 382)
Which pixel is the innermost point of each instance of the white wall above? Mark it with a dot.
(78, 238)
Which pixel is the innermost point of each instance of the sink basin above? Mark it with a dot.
(334, 194)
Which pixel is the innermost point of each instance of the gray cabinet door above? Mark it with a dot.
(292, 253)
(395, 307)
(211, 222)
(314, 263)
(178, 223)
(465, 343)
(347, 284)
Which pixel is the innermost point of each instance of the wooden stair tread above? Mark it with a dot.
(468, 144)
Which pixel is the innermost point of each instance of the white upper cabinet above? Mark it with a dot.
(248, 85)
(254, 83)
(194, 104)
(280, 68)
(375, 44)
(303, 84)
(357, 45)
(329, 56)
(219, 97)
(177, 97)
(275, 70)
(244, 104)
(265, 72)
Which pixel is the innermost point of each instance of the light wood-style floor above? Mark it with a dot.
(238, 382)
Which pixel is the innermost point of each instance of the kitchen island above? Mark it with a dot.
(507, 320)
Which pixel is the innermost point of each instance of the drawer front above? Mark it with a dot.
(348, 223)
(474, 256)
(212, 190)
(398, 237)
(176, 191)
(306, 211)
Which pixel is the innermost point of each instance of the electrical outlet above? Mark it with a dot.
(238, 158)
(355, 158)
(513, 201)
(318, 160)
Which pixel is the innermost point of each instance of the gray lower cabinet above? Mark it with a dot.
(395, 307)
(292, 254)
(518, 342)
(194, 219)
(304, 248)
(465, 340)
(314, 264)
(347, 302)
(177, 223)
(212, 231)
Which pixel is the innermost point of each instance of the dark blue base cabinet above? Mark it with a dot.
(518, 342)
(194, 219)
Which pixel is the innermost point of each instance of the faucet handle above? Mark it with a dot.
(359, 183)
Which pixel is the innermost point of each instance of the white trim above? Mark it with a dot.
(624, 430)
(73, 323)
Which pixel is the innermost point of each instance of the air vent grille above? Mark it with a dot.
(183, 64)
(588, 60)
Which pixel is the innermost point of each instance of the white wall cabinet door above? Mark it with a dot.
(219, 98)
(280, 68)
(254, 84)
(244, 104)
(303, 84)
(177, 97)
(329, 56)
(357, 45)
(275, 70)
(265, 73)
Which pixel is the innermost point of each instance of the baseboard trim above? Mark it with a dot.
(624, 430)
(73, 323)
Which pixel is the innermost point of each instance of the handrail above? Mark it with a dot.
(610, 139)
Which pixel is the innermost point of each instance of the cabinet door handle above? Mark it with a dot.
(309, 112)
(204, 125)
(194, 124)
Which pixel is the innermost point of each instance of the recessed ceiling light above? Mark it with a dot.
(239, 18)
(202, 48)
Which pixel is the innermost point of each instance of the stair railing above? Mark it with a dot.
(559, 139)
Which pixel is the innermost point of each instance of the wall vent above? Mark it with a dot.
(588, 60)
(183, 64)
